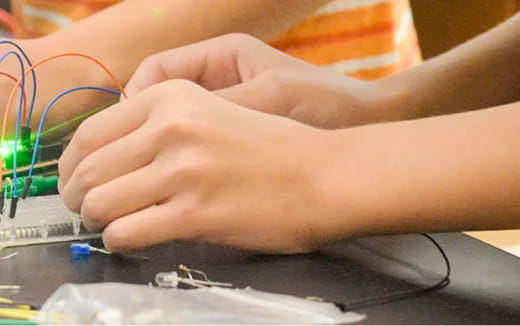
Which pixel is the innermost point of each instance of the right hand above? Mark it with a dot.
(248, 72)
(206, 171)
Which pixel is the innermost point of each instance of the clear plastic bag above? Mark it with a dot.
(117, 303)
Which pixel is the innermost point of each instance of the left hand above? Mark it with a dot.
(178, 162)
(250, 73)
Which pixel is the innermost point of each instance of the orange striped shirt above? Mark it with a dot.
(363, 38)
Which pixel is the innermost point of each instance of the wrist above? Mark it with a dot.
(368, 102)
(360, 182)
(394, 99)
(339, 186)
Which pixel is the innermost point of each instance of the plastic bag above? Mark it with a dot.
(117, 303)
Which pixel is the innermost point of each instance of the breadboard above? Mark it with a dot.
(41, 220)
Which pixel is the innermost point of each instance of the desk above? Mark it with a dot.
(485, 286)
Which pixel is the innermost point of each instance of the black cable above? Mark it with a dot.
(404, 294)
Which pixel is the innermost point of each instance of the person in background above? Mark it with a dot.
(206, 167)
(363, 38)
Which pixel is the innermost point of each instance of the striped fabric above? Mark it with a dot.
(363, 38)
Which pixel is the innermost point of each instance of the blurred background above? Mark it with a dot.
(443, 24)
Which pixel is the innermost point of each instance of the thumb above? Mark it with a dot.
(213, 64)
(259, 94)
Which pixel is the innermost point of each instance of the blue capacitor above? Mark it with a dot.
(81, 248)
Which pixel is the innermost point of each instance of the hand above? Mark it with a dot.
(177, 162)
(248, 72)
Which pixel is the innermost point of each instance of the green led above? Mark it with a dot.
(6, 149)
(23, 153)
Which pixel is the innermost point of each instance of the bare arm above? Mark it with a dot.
(449, 173)
(481, 73)
(123, 35)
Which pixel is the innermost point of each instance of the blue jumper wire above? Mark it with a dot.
(18, 116)
(47, 109)
(24, 54)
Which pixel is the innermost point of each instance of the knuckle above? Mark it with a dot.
(175, 86)
(180, 128)
(185, 172)
(62, 170)
(176, 93)
(86, 174)
(189, 167)
(94, 211)
(150, 62)
(83, 139)
(69, 201)
(183, 87)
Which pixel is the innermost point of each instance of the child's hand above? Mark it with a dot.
(177, 162)
(252, 74)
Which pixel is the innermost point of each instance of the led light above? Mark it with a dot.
(23, 153)
(6, 149)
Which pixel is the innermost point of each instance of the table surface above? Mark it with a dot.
(485, 287)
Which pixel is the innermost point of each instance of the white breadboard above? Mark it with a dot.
(41, 220)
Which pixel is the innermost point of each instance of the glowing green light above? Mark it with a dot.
(23, 156)
(6, 149)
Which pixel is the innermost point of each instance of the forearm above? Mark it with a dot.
(483, 72)
(123, 35)
(450, 173)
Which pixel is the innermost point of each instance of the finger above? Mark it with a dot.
(116, 159)
(122, 119)
(216, 63)
(260, 94)
(152, 225)
(100, 130)
(125, 195)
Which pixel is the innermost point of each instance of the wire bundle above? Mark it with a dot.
(26, 115)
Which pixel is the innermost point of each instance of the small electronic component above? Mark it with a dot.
(85, 249)
(167, 279)
(173, 279)
(46, 153)
(43, 219)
